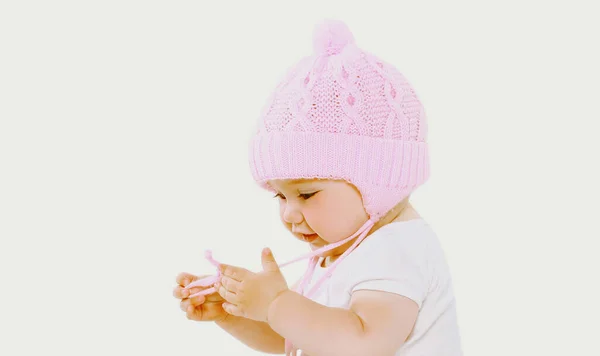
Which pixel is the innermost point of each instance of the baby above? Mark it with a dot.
(341, 144)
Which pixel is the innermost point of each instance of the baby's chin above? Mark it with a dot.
(315, 247)
(319, 245)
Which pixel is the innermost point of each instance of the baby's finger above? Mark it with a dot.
(177, 292)
(214, 297)
(198, 300)
(233, 309)
(226, 294)
(209, 311)
(187, 293)
(184, 278)
(237, 273)
(198, 314)
(184, 304)
(231, 284)
(180, 292)
(191, 302)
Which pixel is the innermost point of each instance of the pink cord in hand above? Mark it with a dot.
(207, 281)
(211, 280)
(290, 349)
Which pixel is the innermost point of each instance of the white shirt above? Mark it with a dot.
(405, 258)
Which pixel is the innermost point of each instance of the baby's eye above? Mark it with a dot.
(306, 196)
(279, 195)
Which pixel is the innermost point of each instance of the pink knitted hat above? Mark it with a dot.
(342, 113)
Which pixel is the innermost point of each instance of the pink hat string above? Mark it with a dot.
(313, 260)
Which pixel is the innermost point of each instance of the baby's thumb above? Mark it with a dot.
(268, 261)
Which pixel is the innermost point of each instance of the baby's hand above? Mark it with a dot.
(202, 307)
(250, 294)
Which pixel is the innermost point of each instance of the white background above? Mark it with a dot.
(123, 155)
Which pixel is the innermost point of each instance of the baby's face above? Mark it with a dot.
(320, 211)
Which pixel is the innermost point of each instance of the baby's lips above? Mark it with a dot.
(204, 282)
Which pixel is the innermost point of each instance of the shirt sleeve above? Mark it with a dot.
(391, 261)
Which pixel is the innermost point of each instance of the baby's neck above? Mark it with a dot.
(406, 214)
(409, 213)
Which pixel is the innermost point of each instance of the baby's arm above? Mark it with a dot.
(377, 323)
(255, 334)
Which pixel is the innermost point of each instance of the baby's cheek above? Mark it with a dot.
(322, 223)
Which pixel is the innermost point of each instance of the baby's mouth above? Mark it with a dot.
(310, 238)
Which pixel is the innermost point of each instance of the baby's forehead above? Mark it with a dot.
(294, 182)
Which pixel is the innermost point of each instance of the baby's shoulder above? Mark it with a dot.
(397, 258)
(414, 236)
(399, 248)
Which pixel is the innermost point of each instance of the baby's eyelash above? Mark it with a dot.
(303, 196)
(306, 196)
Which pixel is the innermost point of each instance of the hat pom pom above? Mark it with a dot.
(330, 37)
